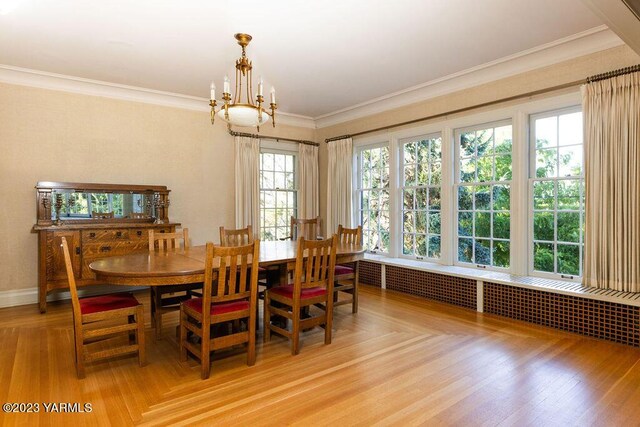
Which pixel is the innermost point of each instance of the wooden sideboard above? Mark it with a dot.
(92, 236)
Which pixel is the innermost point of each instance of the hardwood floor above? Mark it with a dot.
(401, 360)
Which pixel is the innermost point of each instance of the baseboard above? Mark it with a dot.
(17, 297)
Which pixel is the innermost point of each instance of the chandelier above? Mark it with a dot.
(238, 112)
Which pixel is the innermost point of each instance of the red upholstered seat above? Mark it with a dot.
(218, 308)
(107, 302)
(287, 291)
(342, 269)
(261, 269)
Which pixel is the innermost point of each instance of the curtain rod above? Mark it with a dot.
(531, 94)
(277, 138)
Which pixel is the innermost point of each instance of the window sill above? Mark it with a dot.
(529, 282)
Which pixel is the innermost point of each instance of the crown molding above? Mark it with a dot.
(580, 44)
(60, 82)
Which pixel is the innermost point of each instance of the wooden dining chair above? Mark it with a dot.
(312, 287)
(93, 321)
(310, 229)
(166, 299)
(230, 296)
(346, 276)
(239, 237)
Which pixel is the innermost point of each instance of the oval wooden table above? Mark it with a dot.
(182, 267)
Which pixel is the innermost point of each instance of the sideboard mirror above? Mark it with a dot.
(64, 202)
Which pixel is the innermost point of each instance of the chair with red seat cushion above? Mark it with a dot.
(94, 310)
(346, 277)
(312, 288)
(234, 298)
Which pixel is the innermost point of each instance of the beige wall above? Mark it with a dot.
(565, 72)
(56, 136)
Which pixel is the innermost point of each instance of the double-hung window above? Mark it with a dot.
(483, 184)
(278, 194)
(372, 194)
(421, 160)
(557, 194)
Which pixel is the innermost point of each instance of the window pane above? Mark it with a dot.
(501, 253)
(483, 224)
(421, 245)
(467, 170)
(569, 259)
(501, 225)
(277, 204)
(485, 169)
(546, 163)
(503, 140)
(543, 257)
(465, 223)
(543, 226)
(407, 247)
(569, 227)
(570, 129)
(468, 144)
(434, 247)
(421, 221)
(483, 252)
(409, 152)
(501, 198)
(465, 250)
(546, 132)
(434, 223)
(465, 198)
(482, 197)
(543, 195)
(570, 160)
(569, 194)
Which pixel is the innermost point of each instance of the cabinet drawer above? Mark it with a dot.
(104, 235)
(113, 248)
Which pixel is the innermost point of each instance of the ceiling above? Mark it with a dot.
(321, 56)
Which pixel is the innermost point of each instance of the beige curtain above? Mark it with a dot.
(612, 183)
(308, 193)
(247, 159)
(339, 184)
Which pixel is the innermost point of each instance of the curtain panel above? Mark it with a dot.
(339, 184)
(247, 174)
(611, 111)
(308, 192)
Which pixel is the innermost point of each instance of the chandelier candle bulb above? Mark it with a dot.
(213, 91)
(260, 87)
(227, 85)
(273, 95)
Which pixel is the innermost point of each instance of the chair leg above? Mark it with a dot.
(183, 335)
(251, 345)
(356, 278)
(132, 334)
(328, 321)
(205, 353)
(142, 353)
(158, 316)
(295, 333)
(79, 350)
(267, 318)
(152, 299)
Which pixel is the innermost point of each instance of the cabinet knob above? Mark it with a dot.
(139, 233)
(105, 248)
(77, 250)
(118, 233)
(92, 234)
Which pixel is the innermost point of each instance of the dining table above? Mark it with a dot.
(184, 266)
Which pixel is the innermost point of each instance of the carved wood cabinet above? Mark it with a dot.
(98, 221)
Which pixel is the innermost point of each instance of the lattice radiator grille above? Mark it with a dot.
(370, 273)
(600, 319)
(449, 289)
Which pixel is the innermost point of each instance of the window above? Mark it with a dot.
(557, 196)
(421, 159)
(373, 197)
(278, 195)
(484, 190)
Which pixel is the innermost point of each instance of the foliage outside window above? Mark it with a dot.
(483, 195)
(422, 174)
(373, 197)
(278, 195)
(557, 193)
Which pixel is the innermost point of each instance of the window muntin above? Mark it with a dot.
(483, 195)
(373, 197)
(421, 160)
(278, 194)
(557, 194)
